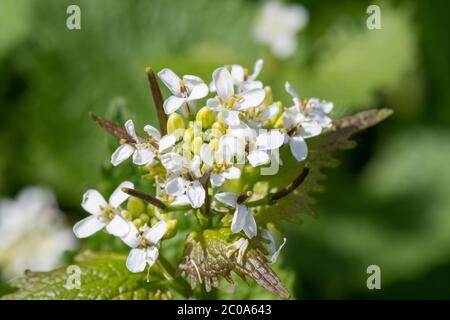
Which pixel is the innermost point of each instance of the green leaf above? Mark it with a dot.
(103, 277)
(321, 150)
(206, 258)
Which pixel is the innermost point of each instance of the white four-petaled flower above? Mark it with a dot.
(185, 91)
(105, 214)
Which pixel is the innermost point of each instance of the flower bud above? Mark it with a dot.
(135, 206)
(172, 228)
(214, 144)
(188, 134)
(279, 123)
(197, 145)
(205, 117)
(174, 123)
(138, 223)
(220, 126)
(144, 218)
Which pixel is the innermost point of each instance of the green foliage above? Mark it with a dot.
(103, 276)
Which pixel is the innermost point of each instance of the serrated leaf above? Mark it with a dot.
(103, 277)
(321, 151)
(205, 259)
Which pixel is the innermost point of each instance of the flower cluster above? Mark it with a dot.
(198, 152)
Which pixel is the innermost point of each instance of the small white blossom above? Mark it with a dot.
(104, 214)
(278, 25)
(262, 146)
(186, 191)
(241, 79)
(143, 151)
(184, 92)
(147, 252)
(243, 218)
(229, 103)
(33, 233)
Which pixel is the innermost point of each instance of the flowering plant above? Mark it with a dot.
(239, 165)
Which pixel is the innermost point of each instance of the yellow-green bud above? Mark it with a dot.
(220, 126)
(197, 145)
(205, 117)
(135, 206)
(214, 144)
(279, 123)
(150, 210)
(188, 135)
(144, 218)
(126, 215)
(174, 123)
(138, 223)
(171, 231)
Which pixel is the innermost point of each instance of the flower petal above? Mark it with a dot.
(298, 147)
(258, 158)
(250, 227)
(269, 112)
(194, 166)
(155, 233)
(257, 69)
(152, 254)
(129, 127)
(172, 104)
(291, 90)
(310, 129)
(175, 187)
(171, 80)
(152, 132)
(232, 173)
(173, 162)
(118, 196)
(122, 153)
(181, 200)
(223, 82)
(87, 227)
(167, 142)
(143, 156)
(227, 198)
(118, 226)
(275, 255)
(136, 260)
(252, 98)
(198, 89)
(239, 218)
(237, 73)
(196, 194)
(213, 104)
(216, 179)
(206, 155)
(231, 117)
(92, 201)
(131, 239)
(270, 140)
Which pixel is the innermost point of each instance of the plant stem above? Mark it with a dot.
(178, 283)
(146, 197)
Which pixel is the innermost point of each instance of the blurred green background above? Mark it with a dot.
(387, 204)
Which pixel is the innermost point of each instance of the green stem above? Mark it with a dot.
(178, 283)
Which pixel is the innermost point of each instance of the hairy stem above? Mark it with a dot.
(157, 99)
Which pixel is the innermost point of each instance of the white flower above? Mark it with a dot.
(278, 25)
(33, 233)
(143, 151)
(299, 127)
(230, 103)
(241, 79)
(186, 192)
(261, 147)
(243, 218)
(104, 214)
(314, 109)
(185, 91)
(147, 252)
(271, 246)
(224, 170)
